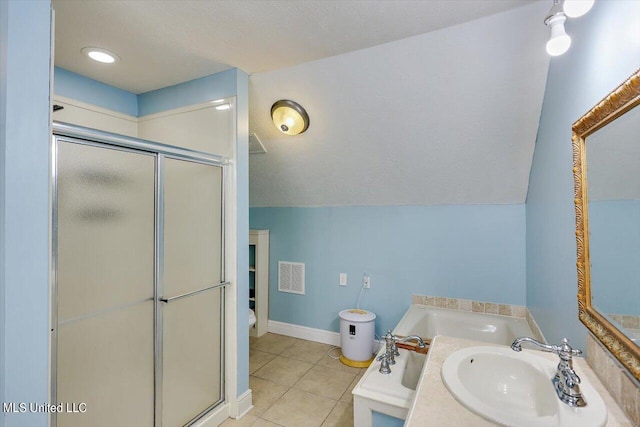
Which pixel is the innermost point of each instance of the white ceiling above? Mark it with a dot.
(447, 117)
(411, 102)
(162, 43)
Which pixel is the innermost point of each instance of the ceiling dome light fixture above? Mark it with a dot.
(576, 8)
(100, 55)
(559, 41)
(289, 117)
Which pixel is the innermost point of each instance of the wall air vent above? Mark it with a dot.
(291, 277)
(255, 145)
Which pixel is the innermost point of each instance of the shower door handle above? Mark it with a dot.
(188, 294)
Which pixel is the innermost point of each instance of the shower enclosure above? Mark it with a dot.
(139, 283)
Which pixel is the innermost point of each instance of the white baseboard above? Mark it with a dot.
(309, 334)
(304, 332)
(234, 409)
(243, 405)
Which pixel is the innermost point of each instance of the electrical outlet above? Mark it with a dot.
(343, 279)
(366, 281)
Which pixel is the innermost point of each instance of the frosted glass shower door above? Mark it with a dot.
(105, 251)
(192, 302)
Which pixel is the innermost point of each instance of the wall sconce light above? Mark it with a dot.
(289, 117)
(559, 41)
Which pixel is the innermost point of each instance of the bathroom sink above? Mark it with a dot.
(512, 388)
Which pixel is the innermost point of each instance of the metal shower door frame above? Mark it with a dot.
(91, 137)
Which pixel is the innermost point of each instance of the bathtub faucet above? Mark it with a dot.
(391, 350)
(565, 381)
(415, 338)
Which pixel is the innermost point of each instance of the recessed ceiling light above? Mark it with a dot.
(100, 55)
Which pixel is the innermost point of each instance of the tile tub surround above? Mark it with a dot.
(622, 387)
(295, 383)
(630, 323)
(470, 305)
(481, 307)
(435, 406)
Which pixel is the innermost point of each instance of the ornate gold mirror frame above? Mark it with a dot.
(622, 99)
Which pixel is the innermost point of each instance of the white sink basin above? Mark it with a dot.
(515, 389)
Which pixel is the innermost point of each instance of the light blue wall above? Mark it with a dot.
(604, 52)
(75, 86)
(4, 42)
(474, 252)
(85, 89)
(192, 92)
(614, 250)
(383, 420)
(25, 36)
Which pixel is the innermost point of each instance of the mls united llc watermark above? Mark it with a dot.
(35, 407)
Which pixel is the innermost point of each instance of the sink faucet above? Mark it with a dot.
(565, 381)
(391, 350)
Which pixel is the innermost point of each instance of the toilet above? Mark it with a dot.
(252, 318)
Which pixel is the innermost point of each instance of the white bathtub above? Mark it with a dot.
(392, 394)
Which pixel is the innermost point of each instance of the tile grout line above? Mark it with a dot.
(293, 386)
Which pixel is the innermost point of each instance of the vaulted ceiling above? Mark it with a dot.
(411, 102)
(167, 42)
(447, 117)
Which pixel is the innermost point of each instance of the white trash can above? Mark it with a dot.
(357, 334)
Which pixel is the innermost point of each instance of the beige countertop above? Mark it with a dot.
(435, 406)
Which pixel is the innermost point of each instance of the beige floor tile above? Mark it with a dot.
(282, 370)
(340, 416)
(307, 351)
(257, 359)
(337, 364)
(325, 382)
(272, 343)
(299, 409)
(347, 397)
(264, 394)
(264, 423)
(246, 421)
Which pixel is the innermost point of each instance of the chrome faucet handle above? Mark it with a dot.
(571, 378)
(395, 347)
(566, 351)
(384, 364)
(391, 349)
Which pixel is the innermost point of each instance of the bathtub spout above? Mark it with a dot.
(416, 338)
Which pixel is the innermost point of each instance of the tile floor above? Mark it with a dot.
(295, 383)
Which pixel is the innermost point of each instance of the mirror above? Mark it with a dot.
(613, 171)
(606, 167)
